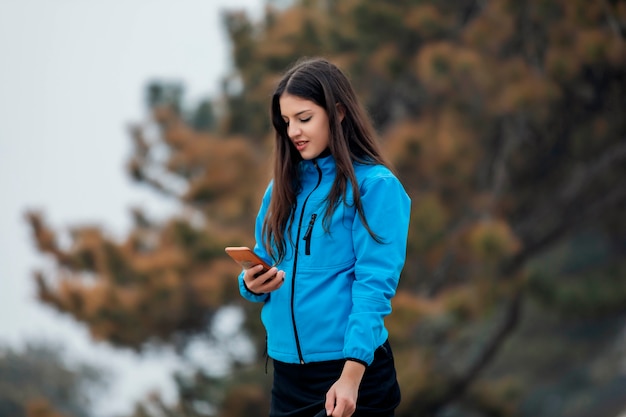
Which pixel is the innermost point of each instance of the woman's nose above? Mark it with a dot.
(293, 131)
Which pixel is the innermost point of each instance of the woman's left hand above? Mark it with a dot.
(342, 396)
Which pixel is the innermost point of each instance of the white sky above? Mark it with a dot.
(72, 76)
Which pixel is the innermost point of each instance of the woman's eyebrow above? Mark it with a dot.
(297, 114)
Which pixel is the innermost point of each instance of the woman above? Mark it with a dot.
(334, 222)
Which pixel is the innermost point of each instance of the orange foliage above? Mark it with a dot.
(531, 94)
(498, 394)
(594, 46)
(148, 286)
(583, 13)
(429, 219)
(426, 20)
(491, 240)
(70, 295)
(129, 298)
(211, 285)
(408, 311)
(88, 250)
(562, 35)
(163, 259)
(44, 236)
(448, 69)
(490, 31)
(382, 61)
(620, 11)
(434, 66)
(403, 144)
(561, 64)
(244, 400)
(278, 40)
(455, 142)
(416, 373)
(464, 302)
(41, 408)
(572, 48)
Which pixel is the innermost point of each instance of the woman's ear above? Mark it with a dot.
(341, 111)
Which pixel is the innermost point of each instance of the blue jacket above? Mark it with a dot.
(338, 283)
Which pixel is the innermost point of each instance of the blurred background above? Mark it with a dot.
(134, 141)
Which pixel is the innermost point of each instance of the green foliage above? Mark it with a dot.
(164, 94)
(581, 278)
(37, 379)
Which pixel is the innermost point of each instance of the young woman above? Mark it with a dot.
(334, 222)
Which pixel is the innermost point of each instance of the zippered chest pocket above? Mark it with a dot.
(329, 247)
(309, 234)
(324, 245)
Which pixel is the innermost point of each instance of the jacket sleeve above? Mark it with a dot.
(378, 265)
(258, 248)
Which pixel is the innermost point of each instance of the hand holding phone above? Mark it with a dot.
(245, 257)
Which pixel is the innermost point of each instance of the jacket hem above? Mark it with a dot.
(310, 357)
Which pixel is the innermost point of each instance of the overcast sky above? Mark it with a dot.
(72, 74)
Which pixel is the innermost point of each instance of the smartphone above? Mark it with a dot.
(245, 257)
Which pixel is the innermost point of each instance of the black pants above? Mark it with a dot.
(300, 390)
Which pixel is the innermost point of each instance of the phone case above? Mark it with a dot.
(245, 257)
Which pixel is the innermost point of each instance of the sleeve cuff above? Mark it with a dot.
(358, 361)
(249, 295)
(258, 294)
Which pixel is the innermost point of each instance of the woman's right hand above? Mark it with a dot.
(264, 283)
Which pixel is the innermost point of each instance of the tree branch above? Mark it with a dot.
(569, 220)
(508, 324)
(458, 386)
(568, 202)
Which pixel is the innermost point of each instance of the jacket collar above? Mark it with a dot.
(325, 162)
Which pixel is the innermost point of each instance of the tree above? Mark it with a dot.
(504, 121)
(35, 382)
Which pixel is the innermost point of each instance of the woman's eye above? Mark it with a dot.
(305, 120)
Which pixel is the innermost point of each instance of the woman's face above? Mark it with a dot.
(307, 125)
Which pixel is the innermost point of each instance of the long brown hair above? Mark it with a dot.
(352, 139)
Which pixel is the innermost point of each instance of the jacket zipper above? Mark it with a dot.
(307, 235)
(295, 262)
